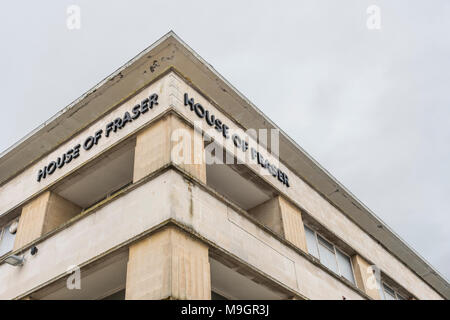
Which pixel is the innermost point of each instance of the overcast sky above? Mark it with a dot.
(371, 105)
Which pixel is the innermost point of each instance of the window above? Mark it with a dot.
(345, 266)
(390, 294)
(330, 256)
(7, 236)
(399, 297)
(311, 242)
(327, 256)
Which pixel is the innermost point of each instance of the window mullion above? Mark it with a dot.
(317, 244)
(337, 262)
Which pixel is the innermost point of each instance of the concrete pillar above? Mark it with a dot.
(283, 218)
(42, 215)
(294, 230)
(168, 265)
(170, 140)
(365, 278)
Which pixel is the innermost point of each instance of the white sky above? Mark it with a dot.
(372, 106)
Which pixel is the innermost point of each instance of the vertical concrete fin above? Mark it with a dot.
(294, 230)
(283, 218)
(168, 265)
(364, 276)
(42, 215)
(169, 140)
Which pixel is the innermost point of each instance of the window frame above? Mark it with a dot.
(384, 285)
(396, 294)
(399, 295)
(3, 230)
(339, 273)
(333, 251)
(351, 265)
(316, 242)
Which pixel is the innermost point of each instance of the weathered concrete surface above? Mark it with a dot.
(170, 196)
(268, 213)
(25, 185)
(171, 89)
(42, 215)
(309, 199)
(236, 234)
(283, 218)
(365, 277)
(90, 237)
(168, 264)
(169, 140)
(294, 230)
(171, 52)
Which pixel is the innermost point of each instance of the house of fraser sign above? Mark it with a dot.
(142, 108)
(91, 141)
(216, 123)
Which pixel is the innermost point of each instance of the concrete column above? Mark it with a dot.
(170, 140)
(283, 218)
(365, 278)
(42, 215)
(168, 265)
(294, 230)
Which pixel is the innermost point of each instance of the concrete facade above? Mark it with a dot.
(363, 273)
(168, 265)
(178, 225)
(283, 218)
(40, 216)
(169, 140)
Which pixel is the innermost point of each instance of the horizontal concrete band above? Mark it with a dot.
(150, 204)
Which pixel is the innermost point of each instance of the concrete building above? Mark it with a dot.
(122, 195)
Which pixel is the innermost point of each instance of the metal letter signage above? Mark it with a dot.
(140, 109)
(92, 141)
(212, 121)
